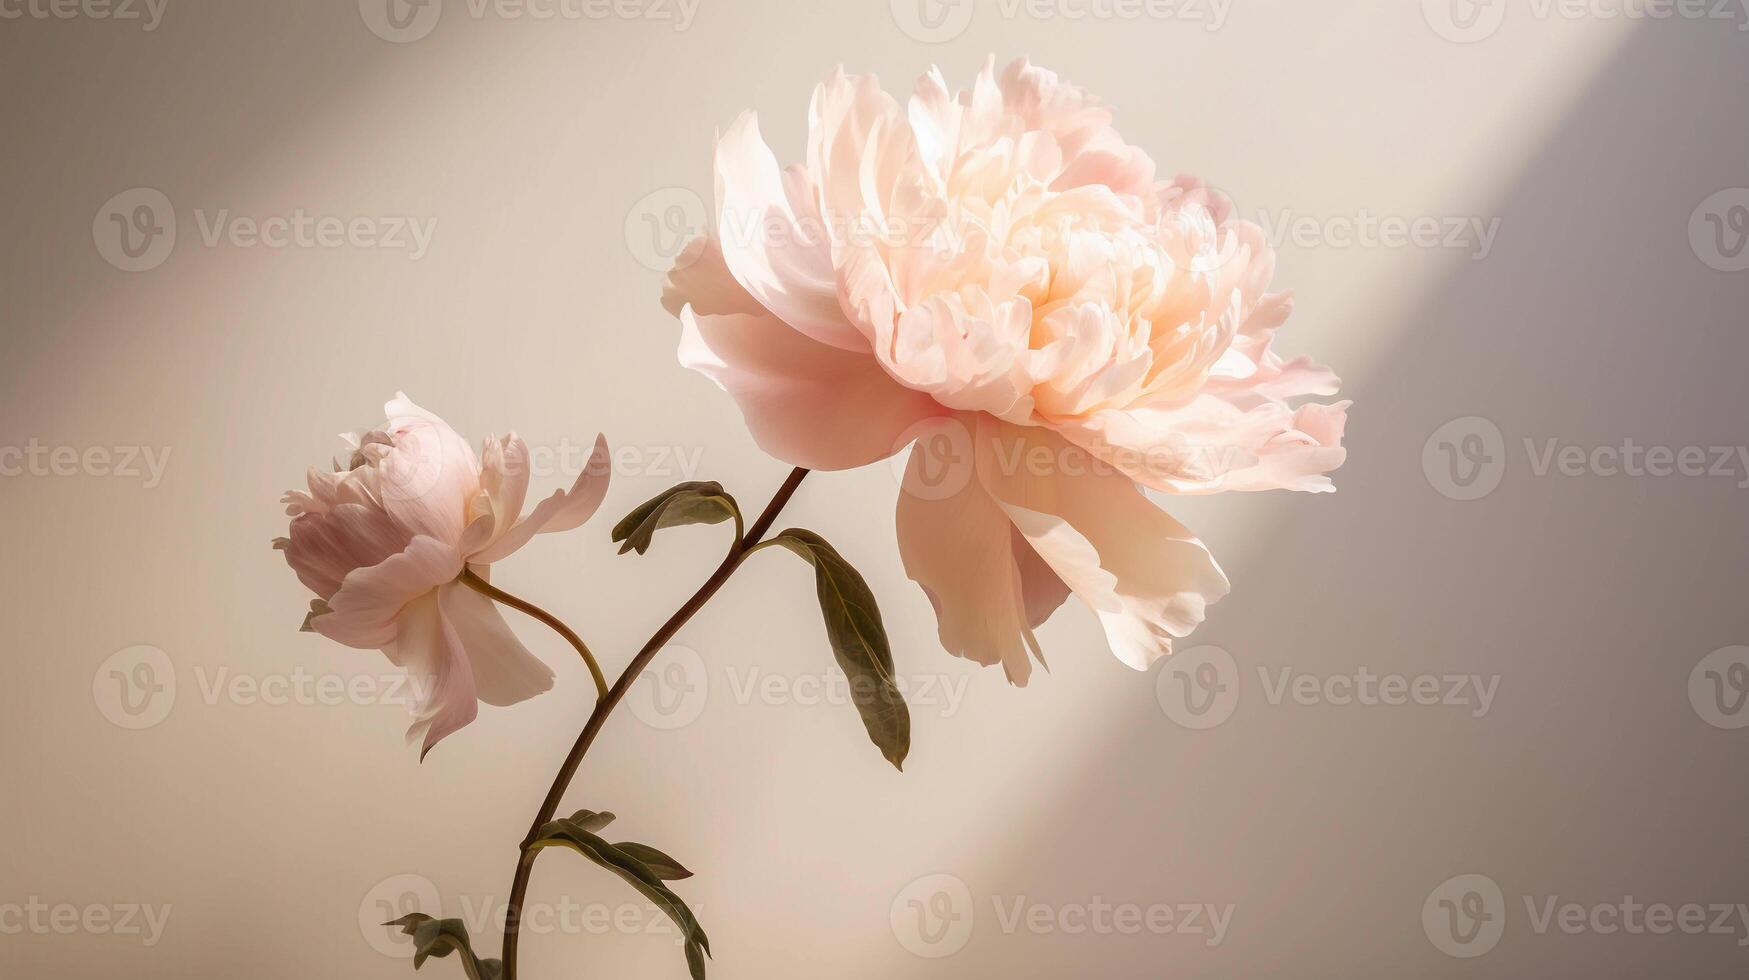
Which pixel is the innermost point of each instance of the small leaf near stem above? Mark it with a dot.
(682, 504)
(472, 580)
(859, 641)
(441, 937)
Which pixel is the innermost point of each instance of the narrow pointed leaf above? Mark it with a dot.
(664, 867)
(631, 868)
(440, 938)
(685, 503)
(859, 642)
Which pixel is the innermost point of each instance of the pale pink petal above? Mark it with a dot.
(701, 279)
(563, 511)
(431, 650)
(370, 600)
(428, 477)
(961, 548)
(1146, 577)
(323, 548)
(806, 403)
(504, 671)
(772, 251)
(504, 478)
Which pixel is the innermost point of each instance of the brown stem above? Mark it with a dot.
(737, 553)
(473, 581)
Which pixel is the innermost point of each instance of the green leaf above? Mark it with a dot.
(591, 821)
(686, 503)
(572, 833)
(441, 937)
(665, 867)
(859, 642)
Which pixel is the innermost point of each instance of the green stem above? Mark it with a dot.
(738, 553)
(472, 580)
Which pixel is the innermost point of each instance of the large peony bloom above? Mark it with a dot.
(383, 541)
(1000, 263)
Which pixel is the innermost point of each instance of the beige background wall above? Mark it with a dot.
(545, 151)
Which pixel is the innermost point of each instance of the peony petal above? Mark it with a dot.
(430, 474)
(504, 478)
(961, 548)
(368, 605)
(431, 650)
(504, 671)
(701, 279)
(783, 261)
(1146, 577)
(324, 548)
(806, 403)
(1212, 445)
(563, 511)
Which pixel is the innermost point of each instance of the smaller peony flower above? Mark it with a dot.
(383, 540)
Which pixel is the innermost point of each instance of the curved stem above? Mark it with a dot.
(604, 707)
(473, 581)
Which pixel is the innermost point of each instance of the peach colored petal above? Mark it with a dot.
(806, 403)
(1146, 577)
(701, 279)
(961, 548)
(781, 261)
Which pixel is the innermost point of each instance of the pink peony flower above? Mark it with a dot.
(383, 541)
(1000, 263)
